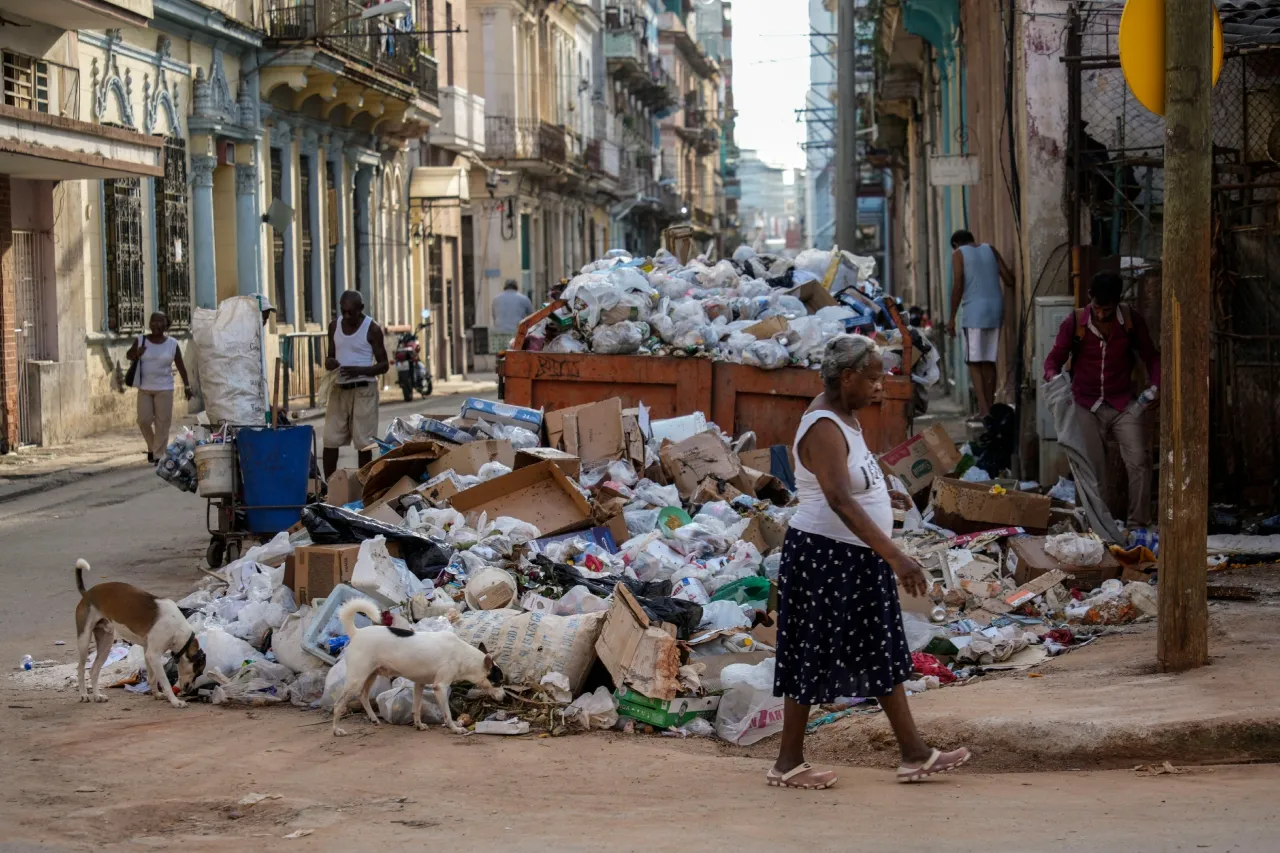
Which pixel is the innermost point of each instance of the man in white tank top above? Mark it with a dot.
(358, 352)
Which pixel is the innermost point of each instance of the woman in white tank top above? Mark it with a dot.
(157, 355)
(839, 622)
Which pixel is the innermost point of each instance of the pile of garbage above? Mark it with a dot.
(621, 570)
(766, 311)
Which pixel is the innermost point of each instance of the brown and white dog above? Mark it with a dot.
(156, 624)
(435, 658)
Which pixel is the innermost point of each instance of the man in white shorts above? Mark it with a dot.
(977, 272)
(359, 354)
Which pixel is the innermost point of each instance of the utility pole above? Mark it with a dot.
(846, 124)
(1182, 633)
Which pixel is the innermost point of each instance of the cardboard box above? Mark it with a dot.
(466, 461)
(408, 460)
(664, 714)
(921, 458)
(638, 654)
(766, 329)
(695, 459)
(384, 509)
(442, 430)
(566, 462)
(344, 487)
(813, 295)
(711, 489)
(440, 490)
(555, 423)
(502, 413)
(319, 568)
(539, 494)
(1026, 560)
(969, 507)
(634, 437)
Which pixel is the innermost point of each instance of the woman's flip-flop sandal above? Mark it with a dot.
(803, 776)
(939, 762)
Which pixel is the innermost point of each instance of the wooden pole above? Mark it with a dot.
(1182, 633)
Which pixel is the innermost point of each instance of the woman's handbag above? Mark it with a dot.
(131, 376)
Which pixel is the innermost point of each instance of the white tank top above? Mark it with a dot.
(354, 350)
(814, 514)
(155, 367)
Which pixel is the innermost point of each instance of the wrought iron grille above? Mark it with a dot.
(122, 215)
(174, 249)
(304, 215)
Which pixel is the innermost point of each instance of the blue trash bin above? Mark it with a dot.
(275, 465)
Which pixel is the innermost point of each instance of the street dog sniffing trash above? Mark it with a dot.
(110, 609)
(438, 659)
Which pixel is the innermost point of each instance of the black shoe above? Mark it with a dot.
(151, 457)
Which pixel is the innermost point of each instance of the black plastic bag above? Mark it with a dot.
(653, 596)
(684, 615)
(333, 525)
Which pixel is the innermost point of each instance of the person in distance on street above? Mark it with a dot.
(840, 629)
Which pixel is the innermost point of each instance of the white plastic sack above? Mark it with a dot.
(259, 683)
(598, 710)
(748, 711)
(1075, 550)
(226, 351)
(308, 687)
(767, 355)
(723, 616)
(527, 646)
(579, 600)
(286, 642)
(491, 470)
(568, 342)
(255, 620)
(920, 631)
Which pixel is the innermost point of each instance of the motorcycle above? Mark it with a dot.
(412, 372)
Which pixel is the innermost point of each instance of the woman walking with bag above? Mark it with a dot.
(839, 623)
(154, 356)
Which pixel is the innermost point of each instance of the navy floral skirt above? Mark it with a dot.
(839, 623)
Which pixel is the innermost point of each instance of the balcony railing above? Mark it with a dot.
(35, 84)
(523, 139)
(336, 24)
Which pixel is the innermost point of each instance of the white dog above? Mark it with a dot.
(437, 658)
(156, 624)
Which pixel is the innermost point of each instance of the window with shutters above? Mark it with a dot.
(304, 219)
(123, 267)
(277, 238)
(26, 82)
(173, 252)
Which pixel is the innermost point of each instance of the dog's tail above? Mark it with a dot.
(363, 606)
(81, 566)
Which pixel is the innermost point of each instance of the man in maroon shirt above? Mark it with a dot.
(1103, 341)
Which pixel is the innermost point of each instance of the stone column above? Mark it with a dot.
(364, 232)
(342, 200)
(202, 239)
(248, 227)
(281, 133)
(310, 144)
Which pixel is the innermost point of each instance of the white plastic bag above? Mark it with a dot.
(578, 600)
(1064, 490)
(286, 642)
(396, 705)
(618, 339)
(1075, 550)
(259, 683)
(491, 470)
(748, 711)
(226, 653)
(337, 677)
(920, 631)
(568, 342)
(766, 355)
(598, 710)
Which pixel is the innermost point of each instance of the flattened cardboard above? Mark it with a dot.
(764, 533)
(693, 460)
(813, 295)
(922, 458)
(566, 462)
(554, 421)
(970, 507)
(408, 460)
(638, 654)
(382, 508)
(601, 435)
(466, 461)
(1024, 593)
(539, 494)
(344, 487)
(634, 435)
(1026, 560)
(766, 329)
(711, 489)
(441, 489)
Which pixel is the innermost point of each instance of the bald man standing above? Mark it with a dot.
(359, 354)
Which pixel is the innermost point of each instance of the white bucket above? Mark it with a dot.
(490, 589)
(213, 469)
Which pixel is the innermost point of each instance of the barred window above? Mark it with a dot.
(173, 234)
(123, 268)
(277, 238)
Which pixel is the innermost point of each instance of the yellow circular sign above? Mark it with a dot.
(1142, 50)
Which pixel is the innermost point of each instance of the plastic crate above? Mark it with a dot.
(315, 641)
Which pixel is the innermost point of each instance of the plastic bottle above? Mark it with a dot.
(27, 662)
(1147, 397)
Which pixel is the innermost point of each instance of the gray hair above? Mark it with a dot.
(846, 352)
